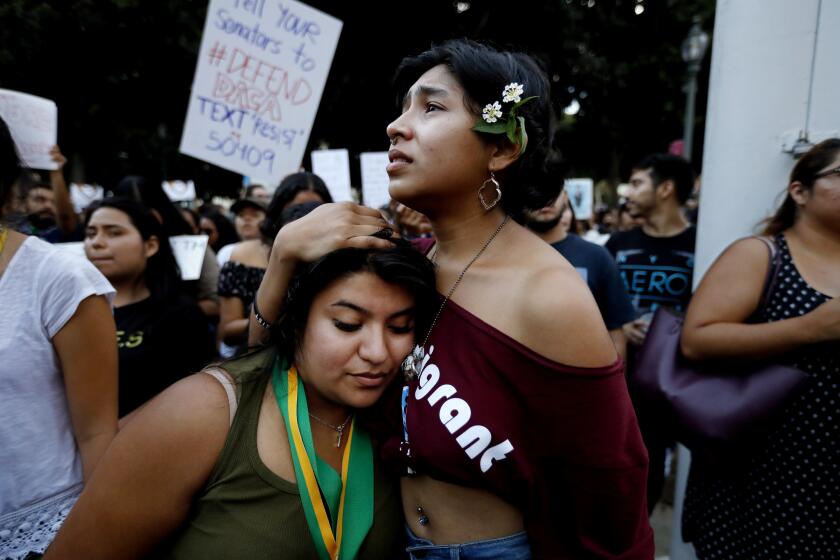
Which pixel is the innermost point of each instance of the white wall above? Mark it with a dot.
(762, 56)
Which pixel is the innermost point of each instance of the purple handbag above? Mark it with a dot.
(715, 408)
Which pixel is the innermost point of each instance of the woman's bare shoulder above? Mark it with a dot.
(251, 253)
(560, 319)
(195, 409)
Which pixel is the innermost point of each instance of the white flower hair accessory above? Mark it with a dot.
(513, 92)
(492, 112)
(494, 120)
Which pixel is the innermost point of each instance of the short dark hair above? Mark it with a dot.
(162, 276)
(288, 189)
(669, 167)
(805, 171)
(298, 211)
(483, 72)
(401, 265)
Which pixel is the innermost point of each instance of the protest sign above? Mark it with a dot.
(82, 195)
(260, 74)
(188, 251)
(33, 122)
(581, 192)
(333, 166)
(179, 191)
(375, 179)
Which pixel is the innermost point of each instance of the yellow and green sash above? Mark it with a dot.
(336, 535)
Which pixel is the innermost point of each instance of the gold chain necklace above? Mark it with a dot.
(411, 365)
(4, 233)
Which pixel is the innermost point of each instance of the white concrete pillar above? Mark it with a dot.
(775, 74)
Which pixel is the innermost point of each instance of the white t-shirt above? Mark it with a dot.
(39, 292)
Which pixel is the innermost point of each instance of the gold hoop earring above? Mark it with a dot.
(490, 205)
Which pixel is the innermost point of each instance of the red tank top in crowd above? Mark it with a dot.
(559, 442)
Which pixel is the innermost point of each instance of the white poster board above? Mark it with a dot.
(581, 193)
(33, 122)
(333, 166)
(179, 191)
(375, 179)
(189, 254)
(258, 81)
(83, 195)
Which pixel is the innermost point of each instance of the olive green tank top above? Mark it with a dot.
(247, 511)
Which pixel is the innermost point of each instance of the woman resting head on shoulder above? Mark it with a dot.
(519, 439)
(233, 462)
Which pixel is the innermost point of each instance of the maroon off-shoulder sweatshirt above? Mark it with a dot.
(559, 442)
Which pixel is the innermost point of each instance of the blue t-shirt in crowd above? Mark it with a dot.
(597, 267)
(657, 271)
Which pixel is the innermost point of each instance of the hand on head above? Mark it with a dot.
(329, 227)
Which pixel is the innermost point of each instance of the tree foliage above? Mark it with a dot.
(120, 72)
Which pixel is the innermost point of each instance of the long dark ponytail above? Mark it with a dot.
(805, 171)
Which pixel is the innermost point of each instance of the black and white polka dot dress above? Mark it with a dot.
(786, 505)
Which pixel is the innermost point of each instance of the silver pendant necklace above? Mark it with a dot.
(340, 428)
(412, 364)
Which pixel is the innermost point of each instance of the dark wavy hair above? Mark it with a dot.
(10, 165)
(286, 192)
(805, 171)
(162, 276)
(224, 227)
(401, 266)
(483, 72)
(151, 194)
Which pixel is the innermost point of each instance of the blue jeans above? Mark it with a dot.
(512, 547)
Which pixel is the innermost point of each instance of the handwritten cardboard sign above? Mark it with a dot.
(33, 122)
(333, 166)
(375, 179)
(261, 71)
(179, 191)
(83, 195)
(581, 192)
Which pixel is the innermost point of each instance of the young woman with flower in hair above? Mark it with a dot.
(518, 438)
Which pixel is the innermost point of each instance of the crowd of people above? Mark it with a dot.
(448, 376)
